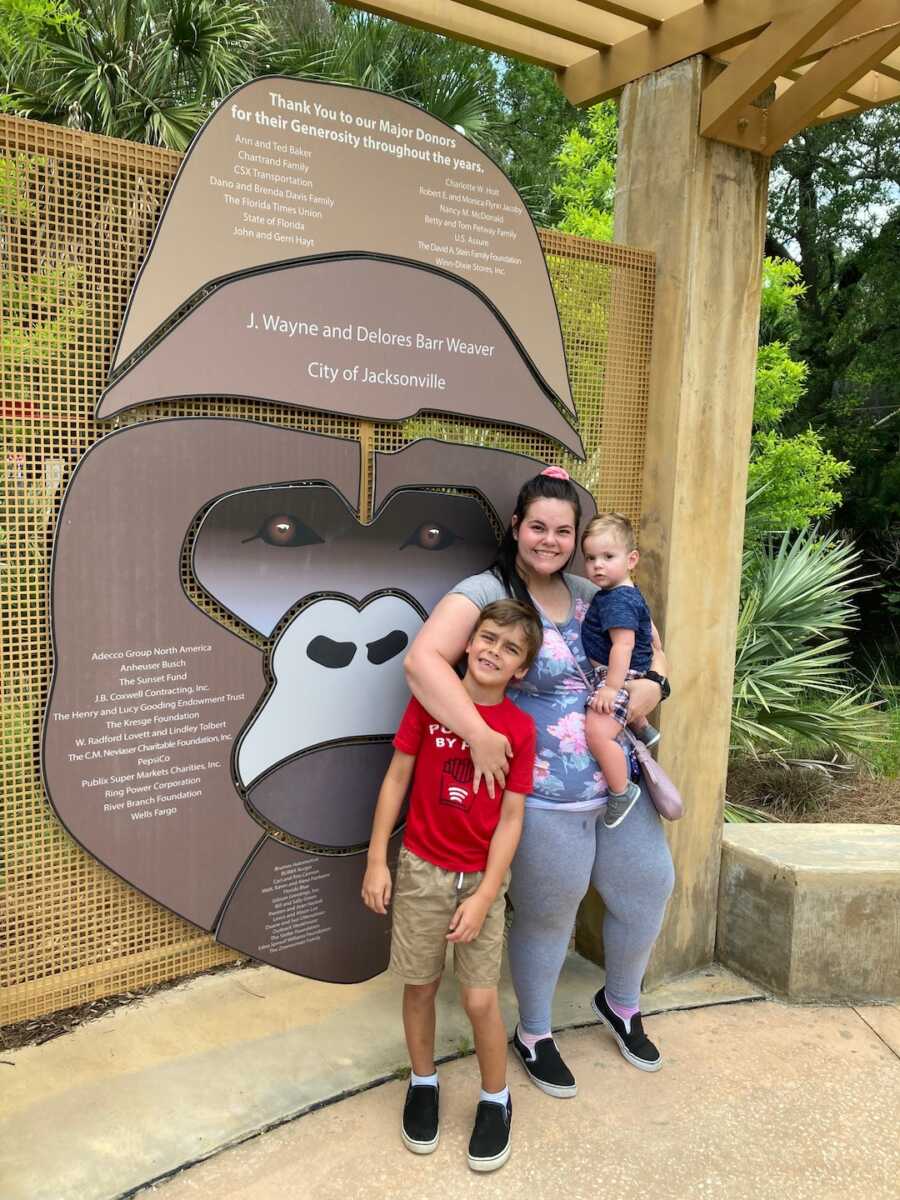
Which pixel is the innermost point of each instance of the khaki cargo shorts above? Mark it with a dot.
(424, 900)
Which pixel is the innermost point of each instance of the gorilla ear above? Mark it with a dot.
(446, 349)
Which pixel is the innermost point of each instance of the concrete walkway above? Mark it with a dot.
(166, 1082)
(754, 1102)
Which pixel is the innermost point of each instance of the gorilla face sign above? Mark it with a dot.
(191, 752)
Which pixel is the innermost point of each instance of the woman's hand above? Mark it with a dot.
(490, 752)
(643, 696)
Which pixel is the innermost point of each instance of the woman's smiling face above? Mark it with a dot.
(545, 537)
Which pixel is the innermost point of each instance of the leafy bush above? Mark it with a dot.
(794, 689)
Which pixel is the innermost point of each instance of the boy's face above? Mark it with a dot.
(607, 560)
(496, 654)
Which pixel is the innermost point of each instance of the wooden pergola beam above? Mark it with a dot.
(596, 47)
(481, 29)
(824, 82)
(567, 19)
(704, 28)
(709, 28)
(766, 57)
(867, 17)
(650, 13)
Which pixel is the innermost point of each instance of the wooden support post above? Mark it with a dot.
(700, 206)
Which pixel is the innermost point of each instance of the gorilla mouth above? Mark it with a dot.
(327, 796)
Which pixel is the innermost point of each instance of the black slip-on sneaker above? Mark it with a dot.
(636, 1047)
(420, 1129)
(546, 1068)
(489, 1145)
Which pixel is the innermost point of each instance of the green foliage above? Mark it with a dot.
(585, 190)
(42, 307)
(152, 70)
(452, 81)
(885, 759)
(28, 20)
(792, 478)
(743, 814)
(795, 478)
(835, 209)
(782, 289)
(793, 681)
(149, 70)
(534, 119)
(780, 384)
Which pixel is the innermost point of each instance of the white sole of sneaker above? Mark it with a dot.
(490, 1164)
(420, 1147)
(618, 821)
(626, 1053)
(559, 1092)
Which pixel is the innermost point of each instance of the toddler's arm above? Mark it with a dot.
(469, 916)
(376, 888)
(604, 698)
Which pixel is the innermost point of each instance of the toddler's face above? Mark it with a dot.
(607, 560)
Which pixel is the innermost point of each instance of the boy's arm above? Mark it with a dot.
(469, 916)
(376, 888)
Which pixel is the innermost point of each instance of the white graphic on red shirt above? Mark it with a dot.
(456, 777)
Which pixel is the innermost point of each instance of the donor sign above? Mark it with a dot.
(337, 251)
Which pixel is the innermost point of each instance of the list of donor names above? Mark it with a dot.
(146, 741)
(294, 170)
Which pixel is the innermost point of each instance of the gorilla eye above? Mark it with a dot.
(431, 535)
(282, 529)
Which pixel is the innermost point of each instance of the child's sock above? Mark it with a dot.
(530, 1040)
(625, 1011)
(495, 1097)
(422, 1080)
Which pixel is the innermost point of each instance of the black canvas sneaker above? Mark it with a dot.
(636, 1047)
(489, 1144)
(546, 1068)
(420, 1129)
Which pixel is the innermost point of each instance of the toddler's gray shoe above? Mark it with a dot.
(649, 735)
(620, 804)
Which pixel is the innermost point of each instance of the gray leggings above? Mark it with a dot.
(559, 854)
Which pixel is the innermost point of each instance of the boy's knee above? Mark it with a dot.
(422, 993)
(480, 1002)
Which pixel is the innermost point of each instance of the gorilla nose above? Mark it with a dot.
(387, 647)
(328, 653)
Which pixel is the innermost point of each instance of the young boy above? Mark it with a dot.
(618, 639)
(452, 875)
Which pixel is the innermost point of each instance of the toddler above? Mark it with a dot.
(618, 639)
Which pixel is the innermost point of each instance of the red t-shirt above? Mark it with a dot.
(448, 824)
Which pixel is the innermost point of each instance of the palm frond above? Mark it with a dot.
(794, 682)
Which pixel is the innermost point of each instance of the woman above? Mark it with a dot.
(564, 845)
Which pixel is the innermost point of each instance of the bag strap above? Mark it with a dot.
(578, 667)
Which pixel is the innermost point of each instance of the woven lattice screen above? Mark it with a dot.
(76, 216)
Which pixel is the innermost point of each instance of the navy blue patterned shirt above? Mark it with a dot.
(621, 607)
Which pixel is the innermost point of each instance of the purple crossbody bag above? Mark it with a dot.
(663, 793)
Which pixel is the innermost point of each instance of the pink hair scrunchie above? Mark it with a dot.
(556, 472)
